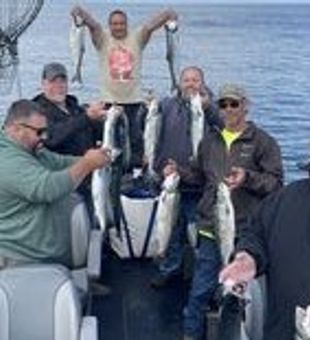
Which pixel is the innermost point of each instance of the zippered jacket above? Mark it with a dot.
(175, 140)
(255, 151)
(70, 133)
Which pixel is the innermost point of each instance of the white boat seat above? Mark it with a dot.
(85, 245)
(40, 302)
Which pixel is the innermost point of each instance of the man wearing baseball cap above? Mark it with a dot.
(54, 70)
(249, 161)
(72, 128)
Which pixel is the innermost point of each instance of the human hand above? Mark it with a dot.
(76, 11)
(96, 111)
(235, 178)
(170, 168)
(97, 158)
(238, 272)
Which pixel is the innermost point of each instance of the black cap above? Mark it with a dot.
(53, 70)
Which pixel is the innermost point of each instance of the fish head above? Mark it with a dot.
(171, 182)
(196, 104)
(115, 152)
(114, 112)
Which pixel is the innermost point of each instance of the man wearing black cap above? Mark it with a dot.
(72, 128)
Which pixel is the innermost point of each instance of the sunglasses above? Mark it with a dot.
(224, 103)
(41, 132)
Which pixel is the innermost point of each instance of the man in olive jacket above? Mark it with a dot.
(35, 185)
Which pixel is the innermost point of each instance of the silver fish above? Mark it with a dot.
(197, 121)
(151, 132)
(166, 215)
(225, 221)
(302, 323)
(77, 47)
(101, 178)
(171, 28)
(138, 214)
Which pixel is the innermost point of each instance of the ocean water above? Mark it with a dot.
(265, 48)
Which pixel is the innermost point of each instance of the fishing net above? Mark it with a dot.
(15, 17)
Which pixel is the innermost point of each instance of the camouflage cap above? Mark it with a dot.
(232, 91)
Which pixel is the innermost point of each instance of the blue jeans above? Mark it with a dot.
(187, 214)
(204, 283)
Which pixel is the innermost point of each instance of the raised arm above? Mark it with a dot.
(157, 22)
(94, 26)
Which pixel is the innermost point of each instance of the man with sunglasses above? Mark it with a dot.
(249, 161)
(72, 128)
(242, 155)
(35, 188)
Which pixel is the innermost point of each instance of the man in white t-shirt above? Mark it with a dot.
(120, 56)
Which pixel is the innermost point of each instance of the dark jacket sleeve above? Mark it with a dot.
(253, 236)
(206, 207)
(269, 177)
(60, 131)
(193, 173)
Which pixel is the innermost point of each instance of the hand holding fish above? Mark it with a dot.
(77, 12)
(240, 271)
(235, 178)
(96, 111)
(98, 158)
(170, 168)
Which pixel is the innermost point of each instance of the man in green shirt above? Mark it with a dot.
(35, 186)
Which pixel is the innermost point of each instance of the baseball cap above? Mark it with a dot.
(232, 91)
(53, 70)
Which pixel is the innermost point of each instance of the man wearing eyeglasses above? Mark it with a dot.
(35, 185)
(243, 155)
(249, 161)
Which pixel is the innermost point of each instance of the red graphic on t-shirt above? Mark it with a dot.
(121, 62)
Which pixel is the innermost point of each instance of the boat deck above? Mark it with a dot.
(134, 310)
